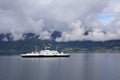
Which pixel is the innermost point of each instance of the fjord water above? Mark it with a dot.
(90, 66)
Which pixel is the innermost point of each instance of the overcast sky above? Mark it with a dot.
(99, 18)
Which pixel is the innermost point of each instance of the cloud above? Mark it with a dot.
(72, 17)
(79, 33)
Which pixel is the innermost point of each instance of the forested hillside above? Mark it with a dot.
(28, 44)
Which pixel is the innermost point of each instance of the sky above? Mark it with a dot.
(100, 19)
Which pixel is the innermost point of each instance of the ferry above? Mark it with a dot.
(45, 53)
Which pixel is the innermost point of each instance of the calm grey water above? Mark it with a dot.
(76, 67)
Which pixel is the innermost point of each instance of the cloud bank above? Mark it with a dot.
(96, 20)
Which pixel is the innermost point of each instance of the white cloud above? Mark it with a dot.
(72, 17)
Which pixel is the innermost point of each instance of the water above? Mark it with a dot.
(76, 67)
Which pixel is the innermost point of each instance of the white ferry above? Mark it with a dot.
(45, 53)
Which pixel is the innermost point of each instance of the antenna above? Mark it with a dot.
(45, 48)
(36, 49)
(56, 47)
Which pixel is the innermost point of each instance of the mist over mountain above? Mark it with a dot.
(57, 36)
(9, 37)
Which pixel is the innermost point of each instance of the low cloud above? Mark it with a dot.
(78, 32)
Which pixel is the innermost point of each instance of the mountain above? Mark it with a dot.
(30, 41)
(55, 35)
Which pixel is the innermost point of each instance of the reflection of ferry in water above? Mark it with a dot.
(45, 53)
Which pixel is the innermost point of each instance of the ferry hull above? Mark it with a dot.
(65, 55)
